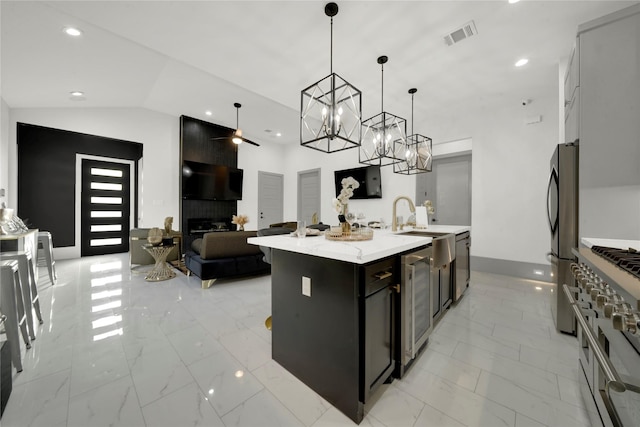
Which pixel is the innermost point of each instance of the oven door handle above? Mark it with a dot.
(613, 379)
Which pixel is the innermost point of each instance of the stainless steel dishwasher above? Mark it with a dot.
(420, 270)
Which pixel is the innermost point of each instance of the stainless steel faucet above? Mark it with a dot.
(394, 221)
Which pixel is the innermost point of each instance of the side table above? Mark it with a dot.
(161, 270)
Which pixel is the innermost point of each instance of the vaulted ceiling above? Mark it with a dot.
(187, 57)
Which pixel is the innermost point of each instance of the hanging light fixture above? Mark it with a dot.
(330, 109)
(380, 134)
(417, 152)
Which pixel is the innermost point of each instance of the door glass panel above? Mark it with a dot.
(106, 186)
(106, 172)
(422, 307)
(106, 214)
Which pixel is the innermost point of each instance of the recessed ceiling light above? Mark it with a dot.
(76, 95)
(279, 134)
(513, 1)
(72, 31)
(208, 113)
(521, 62)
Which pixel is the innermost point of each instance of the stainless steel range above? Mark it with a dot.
(606, 303)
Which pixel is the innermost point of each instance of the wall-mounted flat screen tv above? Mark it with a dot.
(367, 176)
(203, 181)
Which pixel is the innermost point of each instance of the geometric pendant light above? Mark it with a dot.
(383, 135)
(417, 152)
(330, 109)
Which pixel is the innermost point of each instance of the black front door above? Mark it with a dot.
(105, 207)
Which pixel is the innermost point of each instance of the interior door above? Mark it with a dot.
(448, 187)
(309, 196)
(105, 207)
(270, 198)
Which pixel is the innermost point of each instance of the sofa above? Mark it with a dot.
(224, 254)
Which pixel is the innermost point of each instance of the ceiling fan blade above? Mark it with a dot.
(250, 142)
(228, 138)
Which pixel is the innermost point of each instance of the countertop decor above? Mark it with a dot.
(240, 221)
(358, 234)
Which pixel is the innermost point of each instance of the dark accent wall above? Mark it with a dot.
(205, 142)
(47, 175)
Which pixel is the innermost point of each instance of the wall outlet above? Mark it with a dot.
(306, 286)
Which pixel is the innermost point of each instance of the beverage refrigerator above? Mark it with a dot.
(562, 212)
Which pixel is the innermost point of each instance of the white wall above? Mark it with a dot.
(510, 171)
(159, 133)
(4, 149)
(266, 158)
(300, 158)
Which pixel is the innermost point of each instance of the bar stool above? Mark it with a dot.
(45, 242)
(12, 307)
(27, 269)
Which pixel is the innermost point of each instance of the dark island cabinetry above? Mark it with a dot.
(333, 324)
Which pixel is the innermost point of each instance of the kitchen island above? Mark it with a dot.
(334, 311)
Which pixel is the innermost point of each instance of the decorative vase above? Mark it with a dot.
(346, 227)
(240, 227)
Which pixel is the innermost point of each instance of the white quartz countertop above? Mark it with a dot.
(384, 243)
(610, 243)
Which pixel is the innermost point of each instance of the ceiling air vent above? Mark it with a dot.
(466, 31)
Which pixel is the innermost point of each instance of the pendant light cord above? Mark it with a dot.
(412, 115)
(331, 49)
(382, 97)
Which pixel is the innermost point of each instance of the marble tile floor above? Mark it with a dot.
(115, 350)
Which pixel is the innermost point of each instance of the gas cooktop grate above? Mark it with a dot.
(627, 259)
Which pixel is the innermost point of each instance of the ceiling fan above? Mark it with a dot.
(237, 134)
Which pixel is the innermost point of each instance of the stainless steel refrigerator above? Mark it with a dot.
(562, 211)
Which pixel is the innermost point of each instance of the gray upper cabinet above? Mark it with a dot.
(602, 109)
(572, 76)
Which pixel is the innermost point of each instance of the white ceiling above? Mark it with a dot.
(186, 57)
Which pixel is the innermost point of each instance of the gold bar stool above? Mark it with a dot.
(12, 307)
(45, 242)
(27, 270)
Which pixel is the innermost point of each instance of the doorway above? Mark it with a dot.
(270, 198)
(105, 207)
(309, 196)
(448, 187)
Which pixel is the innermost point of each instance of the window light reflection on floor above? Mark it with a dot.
(102, 281)
(106, 266)
(113, 333)
(107, 306)
(106, 294)
(106, 321)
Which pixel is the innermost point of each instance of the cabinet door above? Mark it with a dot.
(572, 76)
(446, 287)
(435, 293)
(378, 339)
(572, 118)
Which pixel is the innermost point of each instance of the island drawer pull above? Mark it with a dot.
(383, 275)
